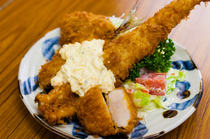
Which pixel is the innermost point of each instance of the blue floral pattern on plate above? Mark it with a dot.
(47, 47)
(46, 50)
(183, 87)
(78, 131)
(30, 85)
(184, 105)
(139, 131)
(187, 65)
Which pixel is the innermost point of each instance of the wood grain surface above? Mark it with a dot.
(23, 22)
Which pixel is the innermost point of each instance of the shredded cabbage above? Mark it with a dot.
(141, 97)
(146, 102)
(172, 76)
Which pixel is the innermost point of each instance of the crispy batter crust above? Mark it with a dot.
(80, 26)
(58, 105)
(122, 53)
(49, 70)
(133, 112)
(75, 27)
(133, 121)
(94, 115)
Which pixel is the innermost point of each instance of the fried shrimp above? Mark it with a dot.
(142, 41)
(96, 114)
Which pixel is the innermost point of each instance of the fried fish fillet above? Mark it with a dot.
(58, 105)
(75, 27)
(94, 114)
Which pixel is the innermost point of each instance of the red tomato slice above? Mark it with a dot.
(155, 82)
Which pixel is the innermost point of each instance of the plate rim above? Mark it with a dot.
(67, 135)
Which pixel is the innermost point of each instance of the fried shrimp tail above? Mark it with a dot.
(112, 113)
(128, 49)
(130, 21)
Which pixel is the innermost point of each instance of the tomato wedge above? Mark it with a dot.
(155, 82)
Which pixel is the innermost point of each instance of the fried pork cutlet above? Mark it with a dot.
(123, 110)
(123, 52)
(94, 114)
(120, 55)
(80, 26)
(119, 115)
(58, 105)
(75, 27)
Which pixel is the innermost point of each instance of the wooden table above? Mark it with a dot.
(23, 22)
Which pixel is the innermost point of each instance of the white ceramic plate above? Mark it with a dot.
(155, 124)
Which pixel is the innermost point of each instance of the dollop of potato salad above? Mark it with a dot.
(152, 79)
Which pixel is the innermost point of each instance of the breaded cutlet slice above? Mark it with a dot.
(94, 115)
(123, 110)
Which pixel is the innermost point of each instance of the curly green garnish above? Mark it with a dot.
(160, 61)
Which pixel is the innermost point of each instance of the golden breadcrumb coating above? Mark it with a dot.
(49, 70)
(117, 105)
(120, 54)
(75, 27)
(94, 115)
(128, 49)
(80, 26)
(59, 104)
(133, 122)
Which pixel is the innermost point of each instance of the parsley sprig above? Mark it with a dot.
(160, 61)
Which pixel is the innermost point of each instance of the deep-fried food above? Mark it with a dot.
(80, 26)
(75, 27)
(120, 54)
(123, 110)
(119, 115)
(84, 68)
(49, 70)
(123, 52)
(58, 105)
(94, 115)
